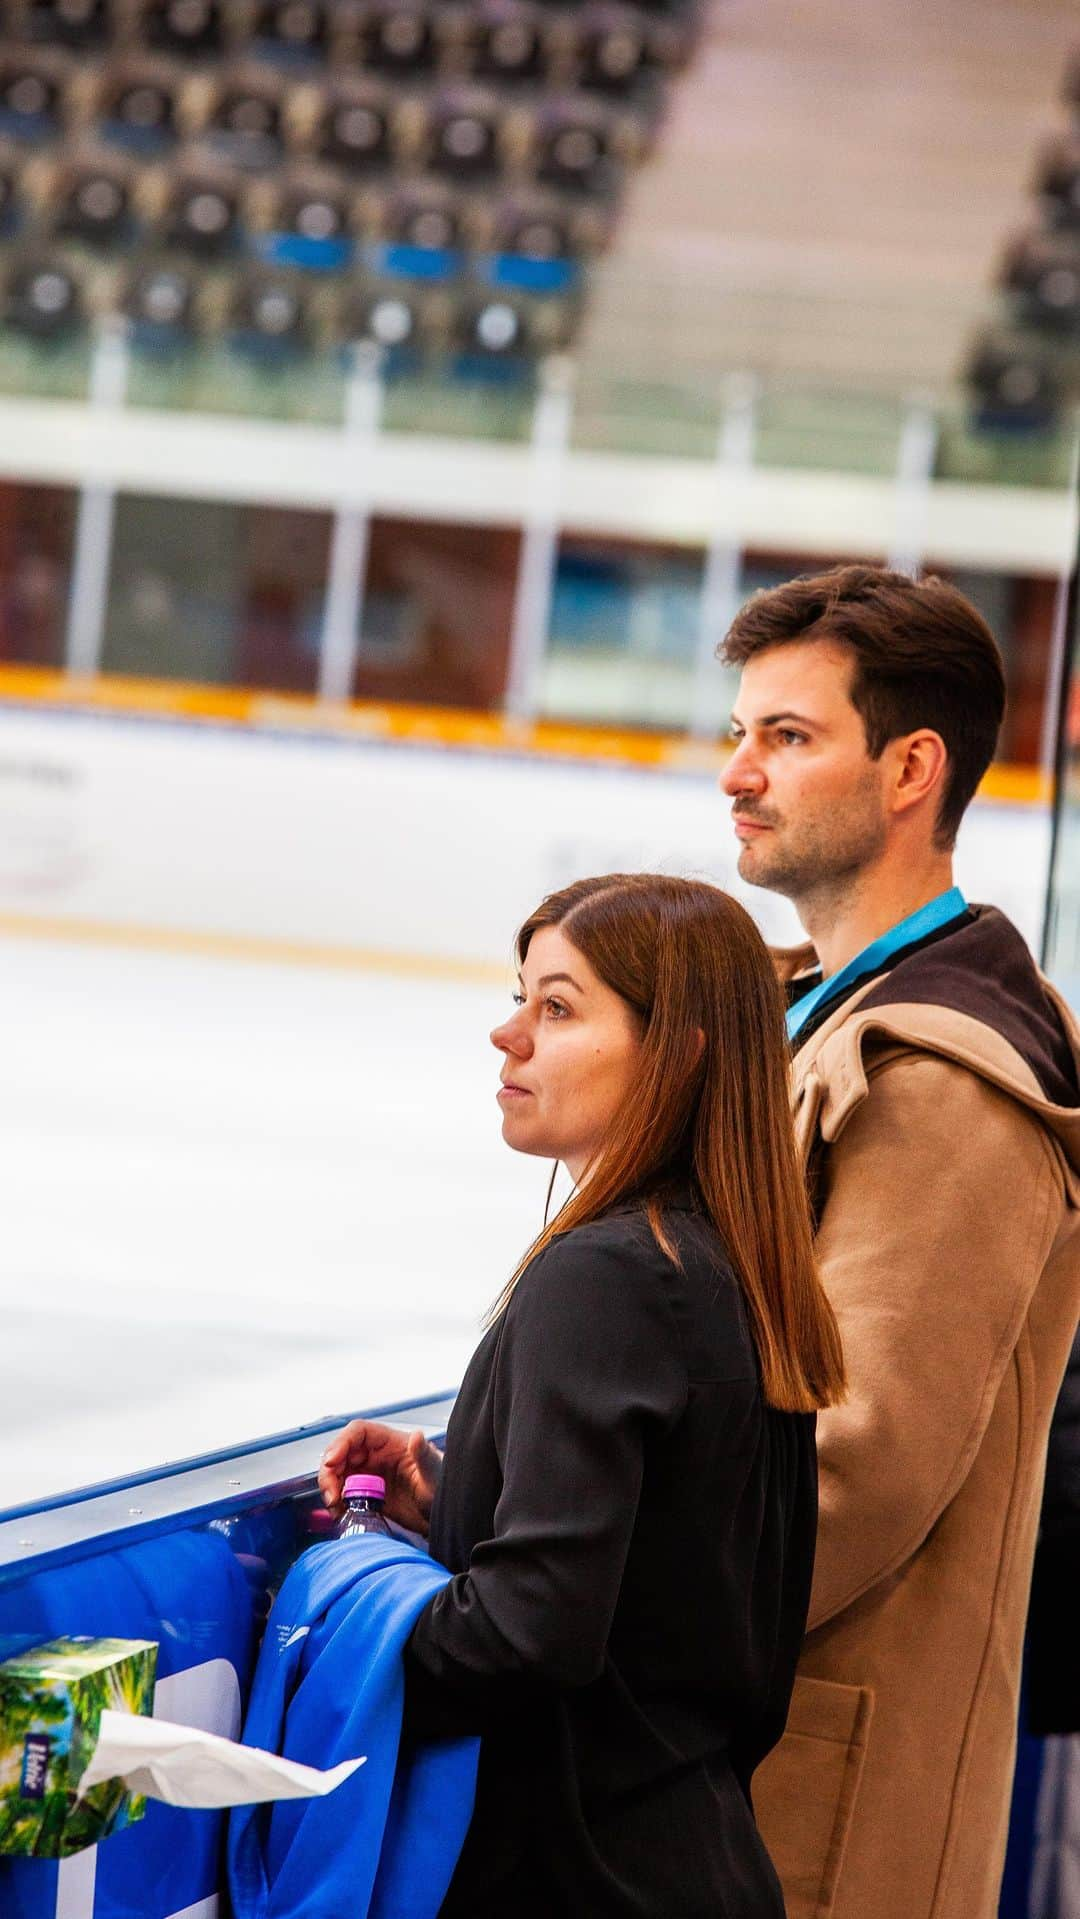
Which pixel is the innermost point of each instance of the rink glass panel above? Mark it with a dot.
(216, 593)
(436, 615)
(37, 526)
(1062, 955)
(623, 634)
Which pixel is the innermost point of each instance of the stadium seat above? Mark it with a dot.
(136, 107)
(67, 23)
(93, 204)
(398, 38)
(508, 44)
(463, 136)
(572, 146)
(160, 300)
(494, 327)
(388, 316)
(1059, 182)
(245, 121)
(424, 218)
(294, 28)
(31, 96)
(313, 209)
(269, 312)
(536, 232)
(184, 26)
(202, 215)
(354, 128)
(1042, 272)
(10, 198)
(42, 298)
(1014, 384)
(613, 52)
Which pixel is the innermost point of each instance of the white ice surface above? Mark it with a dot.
(236, 1198)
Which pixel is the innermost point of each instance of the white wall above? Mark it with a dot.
(190, 829)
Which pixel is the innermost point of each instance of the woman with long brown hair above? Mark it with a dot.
(628, 1496)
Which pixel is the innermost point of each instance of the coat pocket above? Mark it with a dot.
(804, 1792)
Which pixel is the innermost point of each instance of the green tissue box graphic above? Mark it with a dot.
(51, 1701)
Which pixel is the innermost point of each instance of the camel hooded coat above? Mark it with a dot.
(938, 1112)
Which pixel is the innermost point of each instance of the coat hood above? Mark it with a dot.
(974, 996)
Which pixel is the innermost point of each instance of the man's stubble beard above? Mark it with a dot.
(822, 861)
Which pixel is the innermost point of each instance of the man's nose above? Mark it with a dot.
(741, 775)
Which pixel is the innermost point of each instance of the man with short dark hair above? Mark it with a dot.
(937, 1099)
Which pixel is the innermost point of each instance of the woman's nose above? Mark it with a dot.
(510, 1037)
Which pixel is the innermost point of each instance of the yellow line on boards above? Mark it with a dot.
(253, 948)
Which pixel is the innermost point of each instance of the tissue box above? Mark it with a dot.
(51, 1701)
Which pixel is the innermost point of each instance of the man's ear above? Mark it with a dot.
(921, 764)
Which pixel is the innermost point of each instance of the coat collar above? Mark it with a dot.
(831, 1073)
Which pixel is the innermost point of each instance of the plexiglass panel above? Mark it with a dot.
(1062, 954)
(624, 634)
(437, 614)
(36, 532)
(216, 593)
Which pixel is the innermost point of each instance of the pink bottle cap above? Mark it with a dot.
(365, 1486)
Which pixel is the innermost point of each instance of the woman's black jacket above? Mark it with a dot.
(632, 1534)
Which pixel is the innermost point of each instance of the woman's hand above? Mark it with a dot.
(408, 1462)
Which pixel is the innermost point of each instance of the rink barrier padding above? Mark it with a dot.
(456, 729)
(185, 1555)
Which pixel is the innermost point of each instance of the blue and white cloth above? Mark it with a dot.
(330, 1685)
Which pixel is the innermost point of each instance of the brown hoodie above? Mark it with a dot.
(938, 1112)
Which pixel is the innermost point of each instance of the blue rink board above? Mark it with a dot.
(183, 1556)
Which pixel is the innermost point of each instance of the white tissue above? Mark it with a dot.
(186, 1767)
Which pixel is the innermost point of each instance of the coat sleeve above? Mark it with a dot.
(589, 1363)
(941, 1204)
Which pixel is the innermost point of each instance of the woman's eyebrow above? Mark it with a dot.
(551, 979)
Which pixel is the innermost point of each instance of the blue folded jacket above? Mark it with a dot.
(330, 1685)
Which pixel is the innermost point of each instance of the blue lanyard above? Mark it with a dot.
(947, 906)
